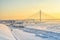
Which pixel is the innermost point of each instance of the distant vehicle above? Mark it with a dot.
(18, 24)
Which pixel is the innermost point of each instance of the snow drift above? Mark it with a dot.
(5, 33)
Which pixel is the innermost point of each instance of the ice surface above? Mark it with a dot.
(35, 34)
(54, 27)
(21, 35)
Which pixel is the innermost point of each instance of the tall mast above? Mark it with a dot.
(40, 15)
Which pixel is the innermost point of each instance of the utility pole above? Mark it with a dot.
(40, 15)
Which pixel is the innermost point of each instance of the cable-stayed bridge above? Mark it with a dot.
(42, 17)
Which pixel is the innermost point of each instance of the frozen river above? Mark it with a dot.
(42, 31)
(35, 34)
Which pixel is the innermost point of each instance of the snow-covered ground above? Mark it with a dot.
(34, 34)
(5, 33)
(40, 31)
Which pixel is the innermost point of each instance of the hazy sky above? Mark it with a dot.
(20, 9)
